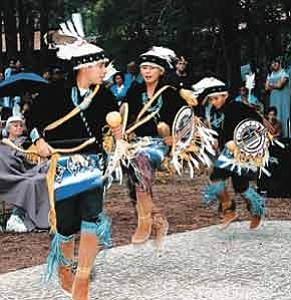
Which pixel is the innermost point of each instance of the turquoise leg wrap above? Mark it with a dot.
(56, 256)
(211, 192)
(257, 202)
(102, 229)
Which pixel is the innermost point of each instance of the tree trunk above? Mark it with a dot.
(10, 28)
(185, 31)
(1, 44)
(29, 35)
(26, 32)
(21, 27)
(44, 9)
(287, 8)
(231, 42)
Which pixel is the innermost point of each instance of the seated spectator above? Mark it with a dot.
(19, 68)
(26, 103)
(249, 99)
(57, 75)
(1, 98)
(46, 74)
(276, 124)
(1, 75)
(10, 70)
(118, 88)
(245, 97)
(22, 183)
(5, 107)
(8, 101)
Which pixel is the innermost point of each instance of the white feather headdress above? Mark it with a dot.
(159, 56)
(72, 45)
(208, 86)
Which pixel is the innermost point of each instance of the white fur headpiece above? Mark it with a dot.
(159, 56)
(208, 86)
(72, 45)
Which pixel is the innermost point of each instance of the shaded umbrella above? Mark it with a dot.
(20, 83)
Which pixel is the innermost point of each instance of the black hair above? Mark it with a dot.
(276, 59)
(118, 74)
(272, 108)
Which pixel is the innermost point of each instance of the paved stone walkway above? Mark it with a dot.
(206, 264)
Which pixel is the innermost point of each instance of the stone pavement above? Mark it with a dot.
(205, 264)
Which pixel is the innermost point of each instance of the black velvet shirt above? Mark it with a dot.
(169, 102)
(228, 117)
(56, 101)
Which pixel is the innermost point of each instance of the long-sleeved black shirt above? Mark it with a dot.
(56, 101)
(169, 102)
(229, 116)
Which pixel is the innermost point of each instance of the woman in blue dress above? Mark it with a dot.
(277, 84)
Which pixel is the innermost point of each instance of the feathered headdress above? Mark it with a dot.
(160, 57)
(72, 45)
(208, 86)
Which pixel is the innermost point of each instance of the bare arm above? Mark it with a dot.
(278, 85)
(267, 86)
(164, 132)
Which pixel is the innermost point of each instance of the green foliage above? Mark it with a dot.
(207, 32)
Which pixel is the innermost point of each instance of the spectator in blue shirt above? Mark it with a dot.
(245, 97)
(118, 88)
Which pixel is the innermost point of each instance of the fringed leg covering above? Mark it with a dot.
(211, 192)
(257, 206)
(102, 229)
(257, 202)
(56, 256)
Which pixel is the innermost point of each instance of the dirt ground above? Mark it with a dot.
(179, 198)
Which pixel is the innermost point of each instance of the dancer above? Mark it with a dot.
(78, 182)
(240, 128)
(152, 108)
(153, 66)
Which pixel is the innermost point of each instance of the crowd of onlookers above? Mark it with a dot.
(277, 88)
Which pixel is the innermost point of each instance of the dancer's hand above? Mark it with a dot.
(168, 140)
(216, 145)
(42, 148)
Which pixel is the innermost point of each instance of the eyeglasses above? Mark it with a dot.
(17, 125)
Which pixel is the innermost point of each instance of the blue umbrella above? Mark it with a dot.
(20, 83)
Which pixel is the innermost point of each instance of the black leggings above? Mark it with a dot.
(83, 207)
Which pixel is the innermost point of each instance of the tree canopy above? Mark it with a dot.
(215, 36)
